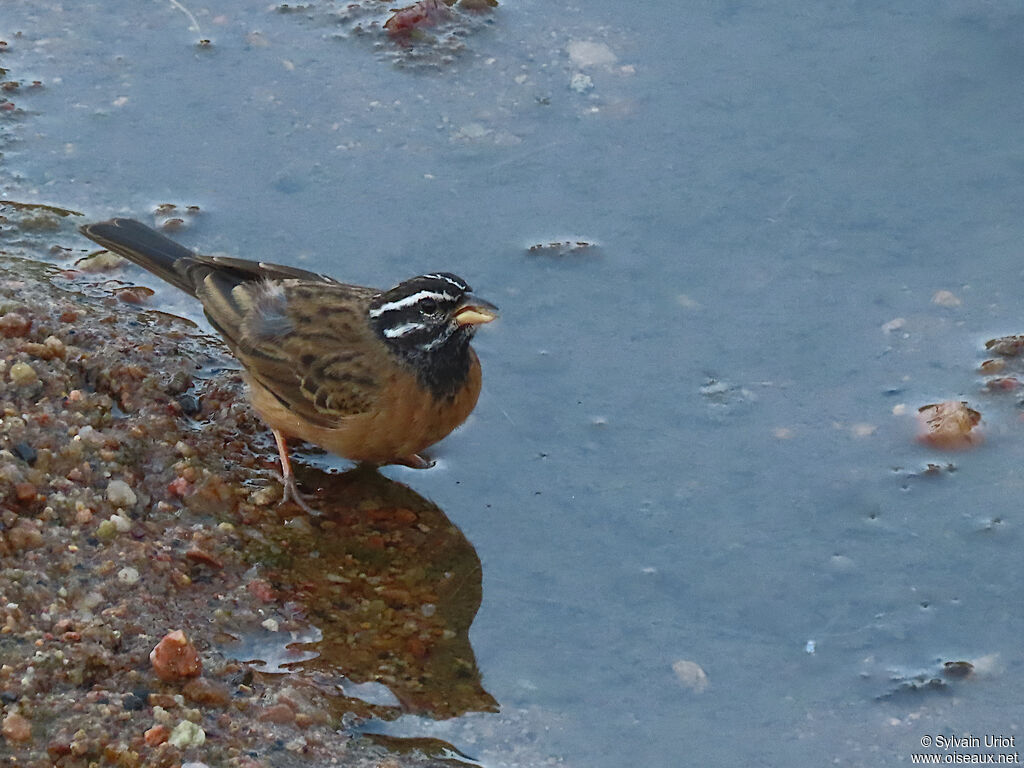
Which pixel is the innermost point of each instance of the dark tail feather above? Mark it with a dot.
(146, 247)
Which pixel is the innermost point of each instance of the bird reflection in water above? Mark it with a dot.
(379, 594)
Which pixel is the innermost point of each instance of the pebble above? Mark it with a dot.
(128, 575)
(134, 294)
(90, 435)
(12, 324)
(25, 535)
(261, 497)
(104, 261)
(691, 675)
(187, 734)
(55, 345)
(203, 691)
(11, 474)
(26, 453)
(16, 727)
(121, 523)
(90, 600)
(156, 735)
(23, 375)
(165, 701)
(24, 491)
(948, 425)
(946, 299)
(120, 494)
(190, 405)
(199, 556)
(175, 658)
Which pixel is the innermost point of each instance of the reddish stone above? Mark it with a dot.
(135, 294)
(949, 425)
(198, 556)
(405, 516)
(203, 691)
(396, 597)
(156, 735)
(57, 749)
(261, 590)
(416, 647)
(179, 487)
(175, 658)
(1004, 383)
(24, 491)
(278, 713)
(12, 324)
(165, 700)
(16, 727)
(425, 13)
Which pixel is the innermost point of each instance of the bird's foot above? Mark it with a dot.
(290, 492)
(415, 461)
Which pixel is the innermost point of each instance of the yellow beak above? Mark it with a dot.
(474, 311)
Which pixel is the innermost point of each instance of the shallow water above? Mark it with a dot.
(686, 448)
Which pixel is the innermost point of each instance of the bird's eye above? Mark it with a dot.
(428, 307)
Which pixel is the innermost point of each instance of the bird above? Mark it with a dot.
(374, 376)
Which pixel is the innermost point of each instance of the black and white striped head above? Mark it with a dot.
(429, 321)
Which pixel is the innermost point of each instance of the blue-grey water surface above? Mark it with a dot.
(686, 448)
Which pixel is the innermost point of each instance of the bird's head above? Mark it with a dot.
(430, 319)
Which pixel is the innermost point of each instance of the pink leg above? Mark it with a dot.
(291, 491)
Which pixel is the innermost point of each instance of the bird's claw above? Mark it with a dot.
(415, 461)
(290, 493)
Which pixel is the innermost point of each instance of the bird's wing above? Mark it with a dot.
(302, 335)
(181, 267)
(262, 270)
(307, 342)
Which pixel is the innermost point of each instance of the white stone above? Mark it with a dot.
(120, 494)
(690, 674)
(187, 734)
(121, 523)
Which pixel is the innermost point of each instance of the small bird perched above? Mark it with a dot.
(372, 376)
